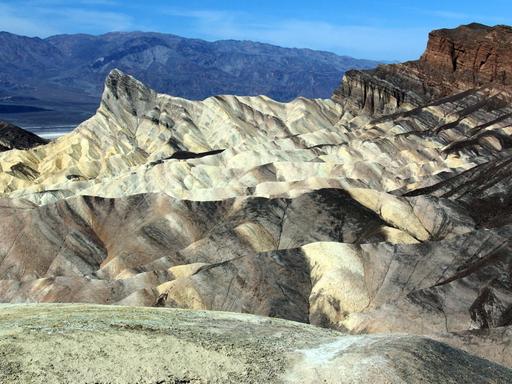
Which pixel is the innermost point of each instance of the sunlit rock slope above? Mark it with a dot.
(330, 212)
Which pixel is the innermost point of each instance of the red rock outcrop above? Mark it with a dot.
(469, 56)
(455, 60)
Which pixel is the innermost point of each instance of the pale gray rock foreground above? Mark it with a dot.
(103, 344)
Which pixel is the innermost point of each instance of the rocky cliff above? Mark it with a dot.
(381, 91)
(455, 60)
(468, 56)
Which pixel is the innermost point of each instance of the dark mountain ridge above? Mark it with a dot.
(13, 137)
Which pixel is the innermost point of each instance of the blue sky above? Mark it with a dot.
(385, 29)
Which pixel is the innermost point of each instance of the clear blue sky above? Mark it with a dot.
(384, 29)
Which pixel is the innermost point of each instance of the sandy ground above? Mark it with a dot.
(57, 343)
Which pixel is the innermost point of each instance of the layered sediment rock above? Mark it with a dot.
(468, 56)
(455, 60)
(313, 210)
(136, 141)
(385, 90)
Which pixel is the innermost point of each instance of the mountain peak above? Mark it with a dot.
(126, 92)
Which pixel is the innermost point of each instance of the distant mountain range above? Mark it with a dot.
(72, 68)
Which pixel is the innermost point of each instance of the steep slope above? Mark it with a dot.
(264, 148)
(455, 60)
(468, 56)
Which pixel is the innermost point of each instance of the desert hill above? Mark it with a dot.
(383, 210)
(13, 137)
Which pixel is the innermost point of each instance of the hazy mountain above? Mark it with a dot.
(59, 66)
